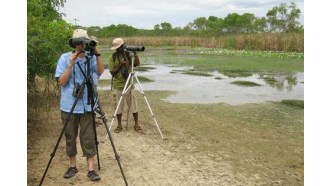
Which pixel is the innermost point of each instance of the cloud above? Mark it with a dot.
(147, 13)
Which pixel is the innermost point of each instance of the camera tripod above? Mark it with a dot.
(130, 80)
(94, 101)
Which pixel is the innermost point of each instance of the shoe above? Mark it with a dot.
(138, 129)
(70, 172)
(93, 176)
(118, 129)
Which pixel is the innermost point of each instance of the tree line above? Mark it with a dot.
(280, 19)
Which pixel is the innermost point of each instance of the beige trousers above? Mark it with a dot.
(129, 98)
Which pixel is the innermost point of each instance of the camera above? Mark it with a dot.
(88, 43)
(134, 48)
(76, 90)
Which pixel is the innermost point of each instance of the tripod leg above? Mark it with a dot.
(145, 98)
(104, 119)
(121, 97)
(130, 99)
(90, 95)
(62, 132)
(128, 107)
(114, 115)
(96, 142)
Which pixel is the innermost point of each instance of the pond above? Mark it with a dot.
(218, 87)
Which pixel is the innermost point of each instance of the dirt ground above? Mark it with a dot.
(145, 159)
(184, 157)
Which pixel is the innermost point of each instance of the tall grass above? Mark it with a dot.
(290, 42)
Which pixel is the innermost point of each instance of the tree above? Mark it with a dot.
(283, 18)
(260, 24)
(157, 27)
(231, 23)
(200, 23)
(166, 26)
(47, 37)
(246, 22)
(93, 30)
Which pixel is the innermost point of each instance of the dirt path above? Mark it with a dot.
(146, 160)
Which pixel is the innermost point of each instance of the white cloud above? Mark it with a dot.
(147, 13)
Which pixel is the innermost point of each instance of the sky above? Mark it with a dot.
(147, 13)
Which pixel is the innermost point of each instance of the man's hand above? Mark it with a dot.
(96, 51)
(123, 62)
(73, 57)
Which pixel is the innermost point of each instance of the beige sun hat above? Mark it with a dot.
(116, 43)
(78, 33)
(94, 39)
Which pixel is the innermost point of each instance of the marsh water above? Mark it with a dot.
(218, 87)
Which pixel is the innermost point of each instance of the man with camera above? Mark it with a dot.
(120, 67)
(70, 71)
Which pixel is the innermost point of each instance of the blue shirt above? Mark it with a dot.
(76, 76)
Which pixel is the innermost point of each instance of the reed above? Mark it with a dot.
(289, 42)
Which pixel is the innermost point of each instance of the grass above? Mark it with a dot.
(236, 73)
(143, 68)
(144, 79)
(194, 73)
(294, 103)
(107, 82)
(246, 83)
(234, 63)
(104, 82)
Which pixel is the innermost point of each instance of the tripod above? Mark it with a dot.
(130, 79)
(94, 101)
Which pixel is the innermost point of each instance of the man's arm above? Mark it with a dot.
(63, 79)
(99, 63)
(136, 60)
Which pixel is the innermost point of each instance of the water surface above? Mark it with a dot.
(219, 88)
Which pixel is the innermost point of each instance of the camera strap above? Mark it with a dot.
(74, 71)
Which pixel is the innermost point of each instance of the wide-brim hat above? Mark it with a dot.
(94, 39)
(116, 43)
(80, 34)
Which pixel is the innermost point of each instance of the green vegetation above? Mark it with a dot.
(197, 73)
(143, 68)
(237, 73)
(47, 38)
(294, 103)
(144, 79)
(107, 82)
(278, 31)
(104, 82)
(273, 54)
(230, 65)
(192, 72)
(245, 83)
(282, 18)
